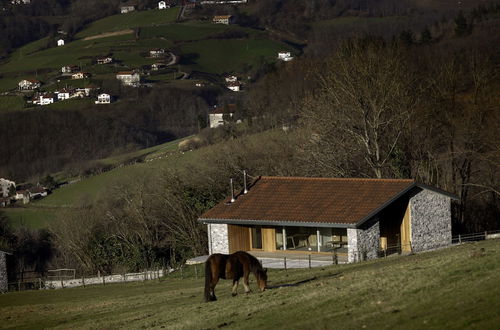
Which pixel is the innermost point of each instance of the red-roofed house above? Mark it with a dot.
(29, 84)
(129, 78)
(358, 218)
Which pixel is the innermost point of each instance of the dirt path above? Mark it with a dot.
(109, 34)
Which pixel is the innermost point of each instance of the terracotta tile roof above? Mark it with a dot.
(320, 200)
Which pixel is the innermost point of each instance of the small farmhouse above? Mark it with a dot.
(70, 69)
(64, 94)
(162, 5)
(37, 192)
(223, 19)
(85, 91)
(129, 78)
(357, 218)
(285, 56)
(23, 196)
(80, 75)
(60, 42)
(127, 9)
(234, 86)
(46, 99)
(219, 116)
(104, 60)
(158, 66)
(103, 99)
(7, 187)
(157, 52)
(29, 84)
(231, 79)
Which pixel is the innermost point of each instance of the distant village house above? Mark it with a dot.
(70, 68)
(157, 52)
(7, 188)
(218, 116)
(60, 42)
(29, 84)
(103, 99)
(158, 66)
(163, 5)
(80, 75)
(127, 9)
(285, 56)
(223, 19)
(129, 78)
(104, 60)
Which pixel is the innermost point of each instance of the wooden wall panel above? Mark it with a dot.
(269, 239)
(405, 231)
(239, 238)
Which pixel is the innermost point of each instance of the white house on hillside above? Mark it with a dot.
(231, 79)
(157, 52)
(64, 94)
(234, 86)
(29, 84)
(70, 68)
(285, 56)
(80, 75)
(46, 99)
(60, 42)
(6, 186)
(127, 9)
(218, 116)
(104, 60)
(222, 19)
(162, 5)
(103, 99)
(129, 78)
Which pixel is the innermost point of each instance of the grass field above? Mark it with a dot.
(192, 31)
(453, 288)
(131, 20)
(11, 103)
(34, 218)
(220, 56)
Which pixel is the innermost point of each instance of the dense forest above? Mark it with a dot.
(415, 98)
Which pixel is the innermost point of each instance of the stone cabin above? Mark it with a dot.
(357, 219)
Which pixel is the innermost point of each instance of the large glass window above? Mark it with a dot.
(256, 238)
(279, 239)
(301, 239)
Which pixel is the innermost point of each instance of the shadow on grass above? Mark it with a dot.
(307, 280)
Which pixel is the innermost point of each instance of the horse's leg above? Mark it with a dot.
(215, 280)
(235, 287)
(246, 275)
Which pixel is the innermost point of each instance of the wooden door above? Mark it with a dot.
(239, 238)
(406, 231)
(269, 239)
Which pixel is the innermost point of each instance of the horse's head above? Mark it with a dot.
(262, 279)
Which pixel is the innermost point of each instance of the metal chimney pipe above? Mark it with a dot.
(245, 182)
(232, 190)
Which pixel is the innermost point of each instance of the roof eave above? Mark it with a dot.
(276, 223)
(390, 201)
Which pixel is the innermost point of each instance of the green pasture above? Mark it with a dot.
(191, 31)
(221, 56)
(11, 103)
(453, 288)
(129, 21)
(71, 104)
(33, 218)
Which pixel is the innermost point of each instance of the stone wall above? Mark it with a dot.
(430, 220)
(363, 243)
(218, 241)
(3, 272)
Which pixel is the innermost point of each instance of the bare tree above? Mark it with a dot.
(367, 96)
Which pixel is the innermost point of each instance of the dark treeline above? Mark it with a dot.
(41, 141)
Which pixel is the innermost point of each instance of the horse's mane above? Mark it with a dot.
(255, 263)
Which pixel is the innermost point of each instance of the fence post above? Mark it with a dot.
(459, 239)
(83, 279)
(309, 261)
(335, 258)
(195, 271)
(39, 283)
(284, 262)
(62, 283)
(18, 285)
(182, 275)
(485, 234)
(103, 280)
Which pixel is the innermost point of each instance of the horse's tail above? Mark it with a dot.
(208, 278)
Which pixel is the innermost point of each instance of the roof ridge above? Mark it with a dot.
(333, 179)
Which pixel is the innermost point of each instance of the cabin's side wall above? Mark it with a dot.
(218, 241)
(430, 220)
(3, 272)
(363, 243)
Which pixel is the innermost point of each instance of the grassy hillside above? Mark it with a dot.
(454, 288)
(130, 20)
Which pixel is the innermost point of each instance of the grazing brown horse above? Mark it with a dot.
(232, 267)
